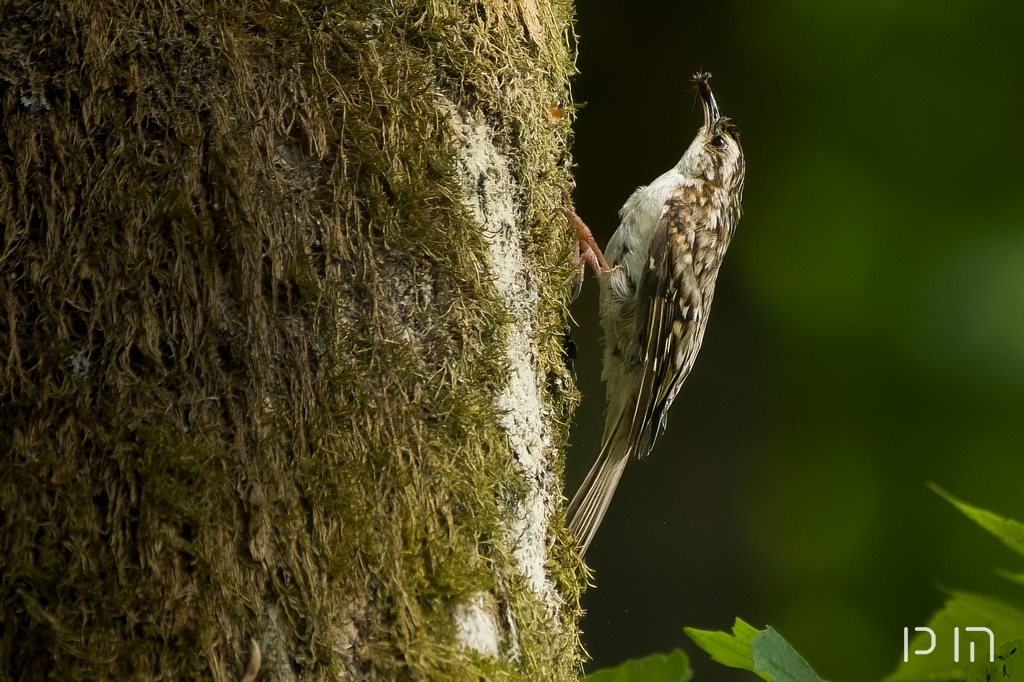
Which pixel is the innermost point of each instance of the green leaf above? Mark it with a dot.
(777, 657)
(763, 652)
(1015, 577)
(674, 667)
(1008, 666)
(1009, 531)
(961, 610)
(730, 650)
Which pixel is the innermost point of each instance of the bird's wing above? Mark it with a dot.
(672, 318)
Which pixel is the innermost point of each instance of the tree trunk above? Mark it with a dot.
(282, 298)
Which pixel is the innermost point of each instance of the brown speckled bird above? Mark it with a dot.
(657, 281)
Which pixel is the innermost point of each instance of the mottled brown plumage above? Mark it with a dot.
(656, 293)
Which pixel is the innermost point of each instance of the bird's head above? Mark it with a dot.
(715, 154)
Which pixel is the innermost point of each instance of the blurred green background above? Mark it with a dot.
(867, 334)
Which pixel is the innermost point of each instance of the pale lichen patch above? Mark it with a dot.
(490, 192)
(476, 625)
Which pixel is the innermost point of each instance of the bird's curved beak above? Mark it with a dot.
(710, 106)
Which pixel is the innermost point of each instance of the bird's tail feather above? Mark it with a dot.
(591, 501)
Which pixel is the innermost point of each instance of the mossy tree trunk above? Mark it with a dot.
(282, 296)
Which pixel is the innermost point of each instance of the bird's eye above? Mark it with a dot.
(717, 142)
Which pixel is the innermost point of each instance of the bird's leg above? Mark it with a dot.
(591, 251)
(590, 258)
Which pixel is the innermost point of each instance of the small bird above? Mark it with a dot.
(657, 280)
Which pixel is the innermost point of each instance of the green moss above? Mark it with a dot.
(251, 346)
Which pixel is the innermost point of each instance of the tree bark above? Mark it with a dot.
(283, 297)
